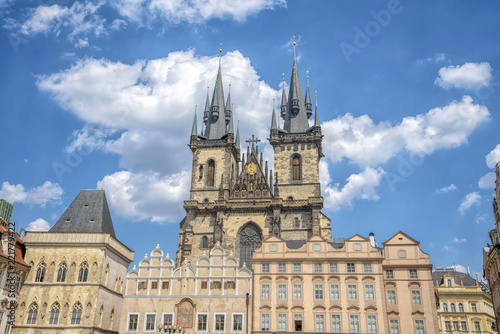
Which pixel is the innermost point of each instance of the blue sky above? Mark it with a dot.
(101, 94)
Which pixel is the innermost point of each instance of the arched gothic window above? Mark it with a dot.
(61, 272)
(40, 272)
(452, 307)
(83, 272)
(32, 313)
(250, 240)
(296, 167)
(76, 316)
(211, 173)
(460, 307)
(54, 314)
(445, 307)
(204, 242)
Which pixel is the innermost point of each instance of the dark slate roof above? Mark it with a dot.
(295, 244)
(89, 213)
(460, 278)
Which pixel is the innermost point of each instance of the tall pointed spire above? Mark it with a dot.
(308, 103)
(194, 131)
(231, 126)
(237, 140)
(296, 116)
(316, 116)
(228, 110)
(216, 123)
(283, 100)
(274, 126)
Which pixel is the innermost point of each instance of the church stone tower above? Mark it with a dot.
(235, 200)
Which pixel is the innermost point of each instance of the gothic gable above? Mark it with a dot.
(252, 182)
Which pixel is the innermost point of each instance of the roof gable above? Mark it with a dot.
(400, 238)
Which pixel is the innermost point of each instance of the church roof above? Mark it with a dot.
(459, 277)
(89, 213)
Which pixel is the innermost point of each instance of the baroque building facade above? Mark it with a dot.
(235, 200)
(465, 304)
(78, 272)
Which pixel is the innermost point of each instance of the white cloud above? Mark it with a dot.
(469, 76)
(493, 157)
(367, 144)
(147, 195)
(471, 199)
(447, 189)
(438, 57)
(487, 181)
(40, 195)
(457, 240)
(38, 225)
(358, 186)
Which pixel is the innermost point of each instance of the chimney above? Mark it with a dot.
(372, 239)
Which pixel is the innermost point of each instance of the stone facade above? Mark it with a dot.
(348, 287)
(207, 296)
(465, 304)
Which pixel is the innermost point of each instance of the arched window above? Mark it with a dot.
(83, 272)
(204, 242)
(452, 307)
(250, 240)
(460, 307)
(32, 313)
(61, 272)
(76, 316)
(54, 314)
(449, 282)
(211, 173)
(40, 272)
(445, 307)
(296, 168)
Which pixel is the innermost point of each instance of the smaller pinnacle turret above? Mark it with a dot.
(316, 117)
(274, 126)
(194, 131)
(308, 103)
(237, 140)
(283, 101)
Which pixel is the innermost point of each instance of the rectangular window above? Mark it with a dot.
(142, 285)
(264, 319)
(389, 273)
(265, 291)
(372, 323)
(320, 322)
(220, 322)
(391, 297)
(150, 322)
(297, 291)
(282, 322)
(336, 326)
(369, 292)
(334, 291)
(18, 286)
(473, 307)
(282, 267)
(354, 323)
(351, 267)
(318, 267)
(237, 322)
(334, 267)
(413, 273)
(202, 323)
(203, 284)
(281, 291)
(229, 285)
(367, 267)
(165, 285)
(447, 325)
(265, 267)
(318, 291)
(419, 327)
(464, 325)
(297, 268)
(352, 292)
(168, 319)
(477, 326)
(216, 285)
(415, 297)
(133, 319)
(297, 322)
(455, 325)
(394, 326)
(154, 285)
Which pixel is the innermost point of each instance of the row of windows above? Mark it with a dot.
(62, 270)
(352, 292)
(202, 324)
(76, 314)
(473, 307)
(335, 323)
(461, 326)
(333, 267)
(204, 285)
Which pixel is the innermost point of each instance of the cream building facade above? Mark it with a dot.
(79, 268)
(465, 304)
(210, 295)
(347, 287)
